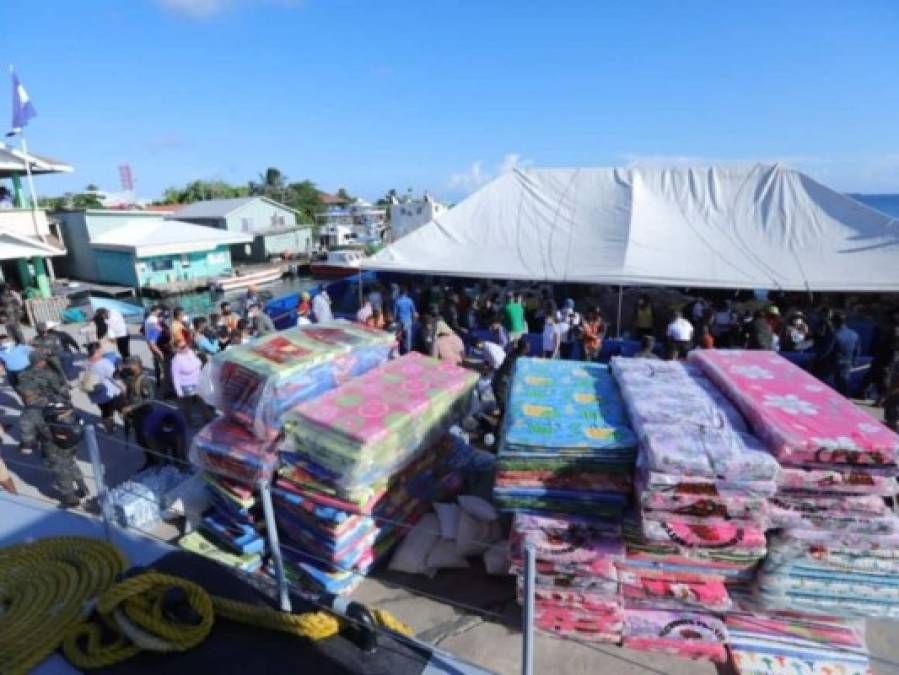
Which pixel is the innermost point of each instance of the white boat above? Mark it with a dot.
(340, 263)
(243, 279)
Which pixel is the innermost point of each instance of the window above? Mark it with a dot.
(185, 261)
(246, 224)
(162, 265)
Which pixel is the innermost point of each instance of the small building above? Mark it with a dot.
(145, 250)
(273, 226)
(333, 201)
(407, 215)
(28, 238)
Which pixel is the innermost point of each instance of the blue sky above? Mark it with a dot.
(442, 95)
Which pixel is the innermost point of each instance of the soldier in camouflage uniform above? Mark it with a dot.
(51, 347)
(40, 386)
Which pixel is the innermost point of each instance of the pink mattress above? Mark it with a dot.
(801, 419)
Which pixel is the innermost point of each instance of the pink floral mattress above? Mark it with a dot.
(800, 419)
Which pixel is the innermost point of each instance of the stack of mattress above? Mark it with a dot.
(567, 447)
(791, 644)
(233, 460)
(255, 384)
(355, 470)
(702, 483)
(565, 467)
(576, 592)
(838, 547)
(346, 534)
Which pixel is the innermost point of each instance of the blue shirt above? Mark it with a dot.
(404, 309)
(152, 423)
(847, 347)
(207, 345)
(152, 332)
(16, 359)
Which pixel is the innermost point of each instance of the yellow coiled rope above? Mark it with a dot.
(46, 589)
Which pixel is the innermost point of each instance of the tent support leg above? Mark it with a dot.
(618, 323)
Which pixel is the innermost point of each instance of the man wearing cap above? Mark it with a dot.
(39, 386)
(139, 388)
(140, 401)
(13, 357)
(50, 346)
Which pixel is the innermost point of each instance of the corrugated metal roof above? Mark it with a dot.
(220, 208)
(165, 237)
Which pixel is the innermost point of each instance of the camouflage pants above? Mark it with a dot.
(67, 477)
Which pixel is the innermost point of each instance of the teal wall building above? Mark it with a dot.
(142, 249)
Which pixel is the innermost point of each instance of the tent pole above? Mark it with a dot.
(618, 323)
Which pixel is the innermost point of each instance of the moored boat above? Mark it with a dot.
(340, 263)
(243, 279)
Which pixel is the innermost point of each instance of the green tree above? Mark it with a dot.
(305, 198)
(271, 183)
(52, 203)
(343, 194)
(91, 187)
(86, 201)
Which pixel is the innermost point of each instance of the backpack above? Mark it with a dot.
(65, 426)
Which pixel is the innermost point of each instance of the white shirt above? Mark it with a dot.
(680, 330)
(322, 309)
(115, 325)
(494, 355)
(566, 319)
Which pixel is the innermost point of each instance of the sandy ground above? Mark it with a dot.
(464, 612)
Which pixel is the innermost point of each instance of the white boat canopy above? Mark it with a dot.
(757, 226)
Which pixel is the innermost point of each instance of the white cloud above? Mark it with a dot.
(476, 175)
(204, 9)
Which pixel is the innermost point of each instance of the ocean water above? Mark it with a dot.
(888, 204)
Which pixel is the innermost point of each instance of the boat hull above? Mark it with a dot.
(255, 278)
(322, 271)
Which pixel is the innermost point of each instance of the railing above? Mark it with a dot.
(25, 222)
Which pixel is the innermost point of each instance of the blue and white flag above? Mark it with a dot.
(22, 108)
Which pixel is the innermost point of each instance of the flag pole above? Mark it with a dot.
(33, 195)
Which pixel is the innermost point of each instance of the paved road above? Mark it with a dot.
(464, 612)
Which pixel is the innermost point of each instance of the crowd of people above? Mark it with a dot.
(444, 321)
(498, 324)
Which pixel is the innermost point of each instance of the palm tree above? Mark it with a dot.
(272, 183)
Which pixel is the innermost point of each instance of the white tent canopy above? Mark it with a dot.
(723, 227)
